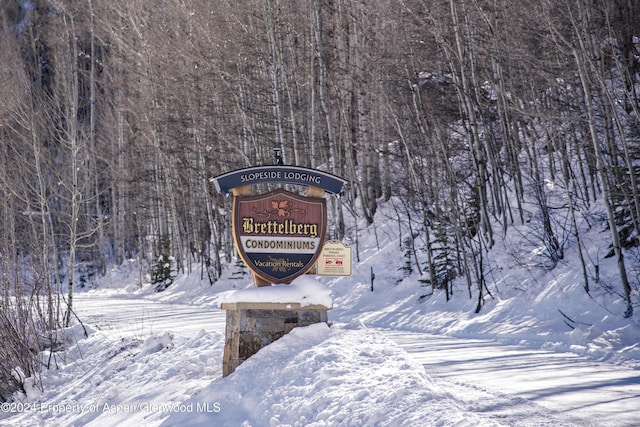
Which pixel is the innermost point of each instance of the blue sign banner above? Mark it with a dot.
(280, 174)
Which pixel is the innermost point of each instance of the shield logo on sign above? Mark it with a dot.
(279, 234)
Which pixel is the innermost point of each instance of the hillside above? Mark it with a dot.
(155, 357)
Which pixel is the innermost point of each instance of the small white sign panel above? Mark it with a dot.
(334, 259)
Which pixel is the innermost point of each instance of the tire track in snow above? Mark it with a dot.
(527, 387)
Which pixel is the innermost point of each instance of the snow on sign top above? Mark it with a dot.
(304, 291)
(283, 174)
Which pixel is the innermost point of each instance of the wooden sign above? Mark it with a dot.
(279, 234)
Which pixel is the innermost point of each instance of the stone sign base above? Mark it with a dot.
(253, 325)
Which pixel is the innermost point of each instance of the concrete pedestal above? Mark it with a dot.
(253, 325)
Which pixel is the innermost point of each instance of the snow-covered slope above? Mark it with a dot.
(156, 358)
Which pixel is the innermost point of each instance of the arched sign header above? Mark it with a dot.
(283, 174)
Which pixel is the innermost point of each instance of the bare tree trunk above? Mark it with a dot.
(606, 193)
(92, 150)
(274, 65)
(327, 109)
(465, 92)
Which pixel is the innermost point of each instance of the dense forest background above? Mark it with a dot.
(470, 116)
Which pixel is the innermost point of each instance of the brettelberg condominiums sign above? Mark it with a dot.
(279, 234)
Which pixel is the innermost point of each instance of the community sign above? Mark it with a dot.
(279, 234)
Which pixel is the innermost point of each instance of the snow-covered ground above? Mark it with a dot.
(541, 352)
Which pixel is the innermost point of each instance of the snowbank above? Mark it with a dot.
(321, 376)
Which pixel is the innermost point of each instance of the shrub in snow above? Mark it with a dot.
(162, 273)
